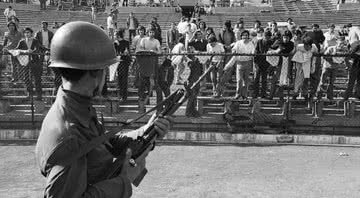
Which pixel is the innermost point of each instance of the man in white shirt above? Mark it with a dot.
(44, 35)
(150, 43)
(183, 25)
(135, 45)
(8, 13)
(148, 69)
(215, 47)
(354, 33)
(110, 26)
(330, 37)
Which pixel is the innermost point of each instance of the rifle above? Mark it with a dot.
(140, 145)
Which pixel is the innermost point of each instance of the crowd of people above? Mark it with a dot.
(27, 68)
(290, 58)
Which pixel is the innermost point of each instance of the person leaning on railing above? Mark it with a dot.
(11, 39)
(330, 68)
(216, 74)
(122, 46)
(280, 79)
(34, 67)
(147, 73)
(262, 66)
(244, 65)
(304, 65)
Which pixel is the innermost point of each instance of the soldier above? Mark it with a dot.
(71, 123)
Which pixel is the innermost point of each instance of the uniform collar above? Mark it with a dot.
(79, 107)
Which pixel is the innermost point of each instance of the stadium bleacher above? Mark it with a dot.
(17, 94)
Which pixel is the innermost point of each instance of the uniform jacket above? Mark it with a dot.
(69, 125)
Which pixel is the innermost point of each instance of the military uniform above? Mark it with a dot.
(69, 125)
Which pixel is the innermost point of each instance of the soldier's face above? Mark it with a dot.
(99, 82)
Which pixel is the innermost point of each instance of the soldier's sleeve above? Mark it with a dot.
(71, 180)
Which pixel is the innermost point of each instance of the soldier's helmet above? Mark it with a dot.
(81, 45)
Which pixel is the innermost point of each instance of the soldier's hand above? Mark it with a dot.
(162, 125)
(132, 168)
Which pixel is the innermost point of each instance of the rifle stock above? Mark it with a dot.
(140, 145)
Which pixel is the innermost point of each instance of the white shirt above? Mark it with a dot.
(354, 35)
(8, 13)
(136, 42)
(182, 27)
(45, 38)
(218, 48)
(110, 23)
(148, 44)
(178, 48)
(244, 48)
(330, 39)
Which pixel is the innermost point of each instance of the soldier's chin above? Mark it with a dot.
(97, 92)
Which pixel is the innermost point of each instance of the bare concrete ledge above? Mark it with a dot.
(190, 137)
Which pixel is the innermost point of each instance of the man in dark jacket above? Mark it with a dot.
(122, 46)
(34, 65)
(132, 24)
(318, 39)
(44, 35)
(262, 66)
(227, 37)
(154, 25)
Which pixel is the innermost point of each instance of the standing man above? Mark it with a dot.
(227, 37)
(172, 36)
(115, 13)
(132, 24)
(44, 35)
(318, 39)
(34, 67)
(122, 46)
(262, 66)
(8, 13)
(135, 46)
(93, 12)
(11, 39)
(156, 27)
(147, 73)
(125, 3)
(71, 123)
(354, 72)
(110, 25)
(42, 4)
(330, 37)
